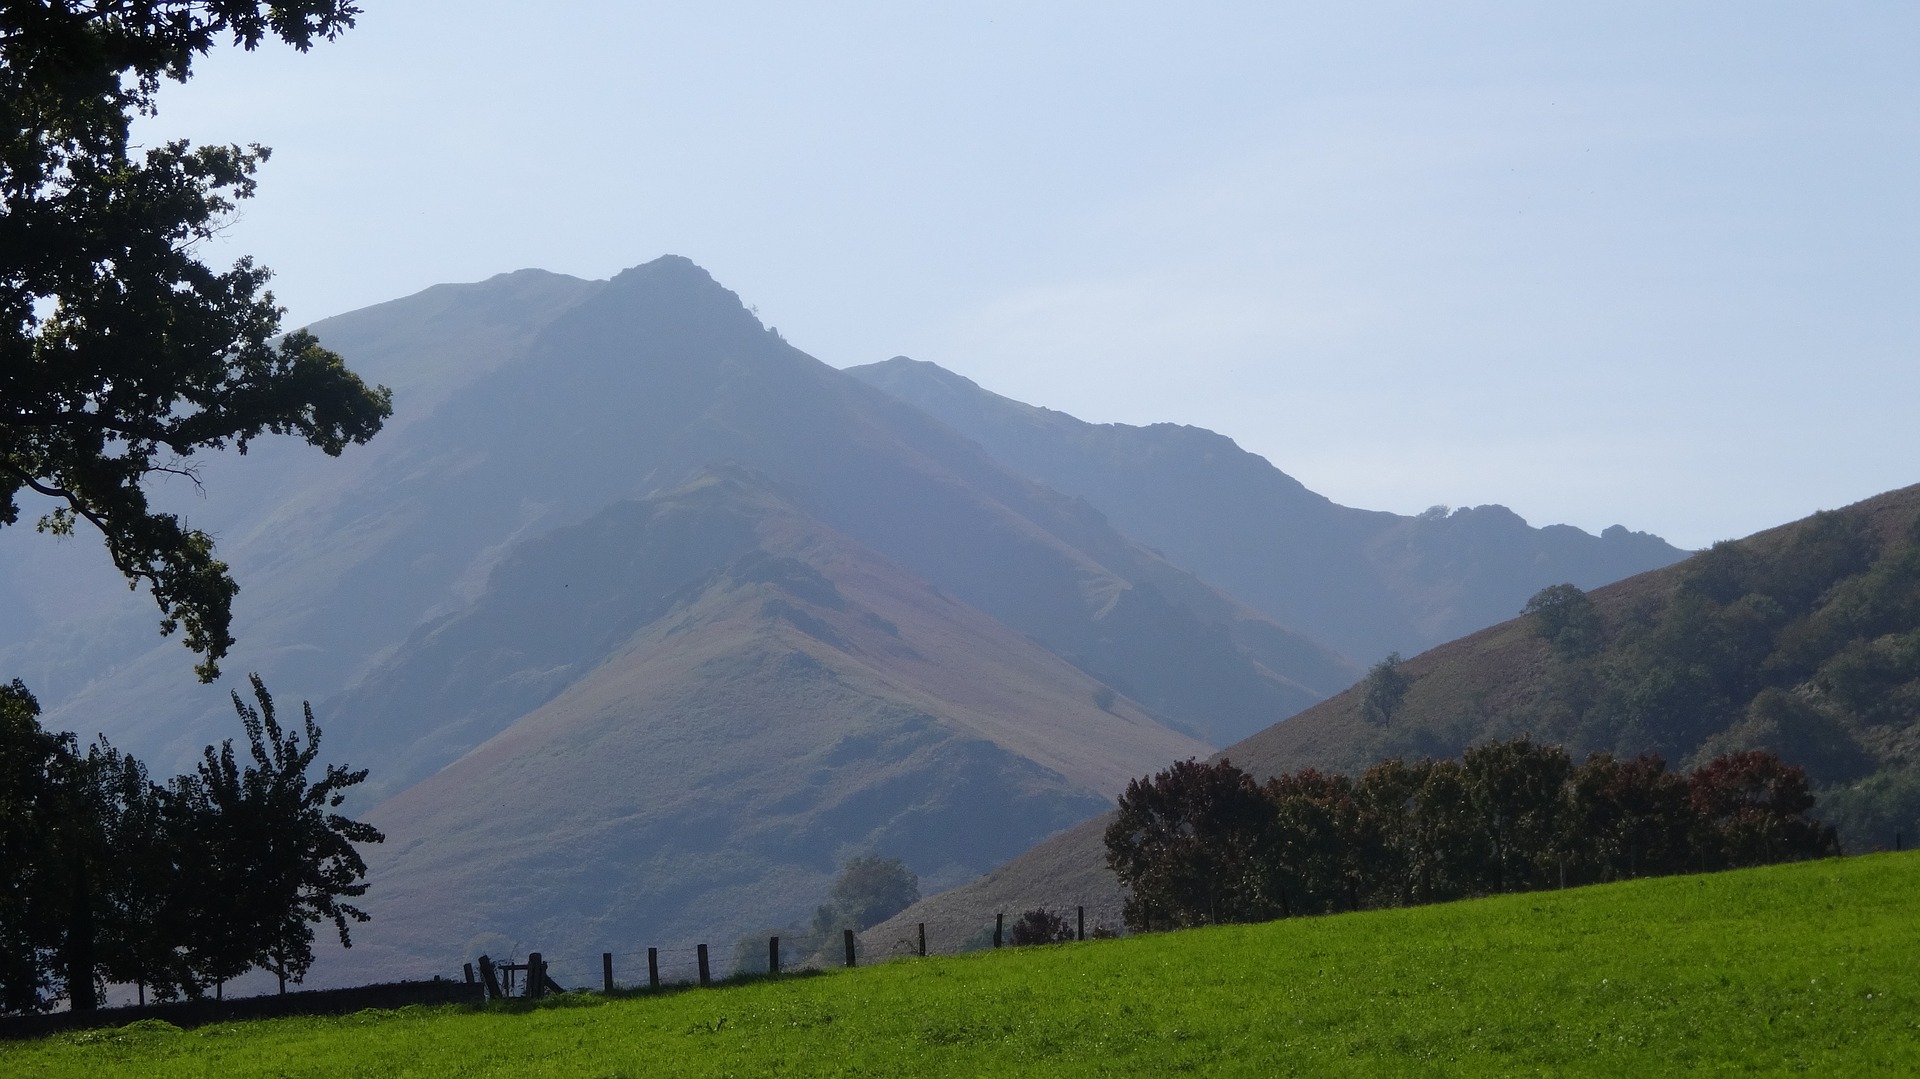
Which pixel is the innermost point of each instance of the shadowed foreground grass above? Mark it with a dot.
(1804, 968)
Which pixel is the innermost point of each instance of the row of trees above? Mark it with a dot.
(1202, 843)
(113, 878)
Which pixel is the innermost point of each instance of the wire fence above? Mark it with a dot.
(692, 963)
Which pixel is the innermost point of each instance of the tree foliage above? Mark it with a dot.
(122, 355)
(1566, 619)
(1385, 686)
(1199, 844)
(281, 859)
(870, 889)
(111, 877)
(1042, 926)
(1187, 844)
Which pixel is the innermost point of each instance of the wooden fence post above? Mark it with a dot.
(706, 977)
(653, 968)
(847, 938)
(773, 955)
(923, 940)
(606, 971)
(536, 980)
(491, 979)
(469, 969)
(999, 928)
(1080, 923)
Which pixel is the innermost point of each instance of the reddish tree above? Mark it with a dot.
(1752, 808)
(1185, 843)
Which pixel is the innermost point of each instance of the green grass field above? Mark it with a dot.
(1810, 968)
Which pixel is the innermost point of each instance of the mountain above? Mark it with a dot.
(87, 645)
(1803, 640)
(530, 402)
(1366, 582)
(643, 618)
(761, 697)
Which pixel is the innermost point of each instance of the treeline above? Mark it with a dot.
(1807, 645)
(110, 877)
(1202, 843)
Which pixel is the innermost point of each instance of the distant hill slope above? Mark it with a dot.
(1803, 639)
(1367, 582)
(748, 696)
(532, 401)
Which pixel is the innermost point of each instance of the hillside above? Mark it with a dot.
(761, 697)
(1800, 639)
(1795, 969)
(582, 393)
(1367, 582)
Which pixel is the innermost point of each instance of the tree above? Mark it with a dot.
(1187, 842)
(29, 809)
(273, 859)
(872, 889)
(1628, 818)
(1753, 807)
(121, 354)
(1517, 789)
(1042, 926)
(1311, 854)
(139, 916)
(1564, 617)
(1384, 687)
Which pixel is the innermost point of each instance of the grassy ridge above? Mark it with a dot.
(1808, 967)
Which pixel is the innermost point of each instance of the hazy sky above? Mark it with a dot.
(1655, 264)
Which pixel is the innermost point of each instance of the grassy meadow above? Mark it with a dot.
(1809, 968)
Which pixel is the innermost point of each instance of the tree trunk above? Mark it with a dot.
(80, 989)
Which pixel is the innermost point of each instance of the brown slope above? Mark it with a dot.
(1485, 685)
(1488, 684)
(808, 700)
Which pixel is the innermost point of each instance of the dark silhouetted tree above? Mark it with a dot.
(122, 354)
(1042, 926)
(1628, 818)
(30, 806)
(1517, 791)
(140, 919)
(1312, 855)
(268, 857)
(1753, 809)
(1187, 842)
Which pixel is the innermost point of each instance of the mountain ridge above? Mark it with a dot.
(1505, 680)
(1366, 581)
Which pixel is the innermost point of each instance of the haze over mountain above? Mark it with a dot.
(643, 618)
(1367, 582)
(584, 392)
(760, 699)
(1803, 640)
(480, 573)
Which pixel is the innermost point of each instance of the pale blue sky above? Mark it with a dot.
(1654, 264)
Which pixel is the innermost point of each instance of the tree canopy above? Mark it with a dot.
(1200, 844)
(111, 877)
(122, 355)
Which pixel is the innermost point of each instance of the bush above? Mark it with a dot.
(1042, 926)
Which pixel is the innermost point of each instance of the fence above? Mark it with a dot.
(691, 964)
